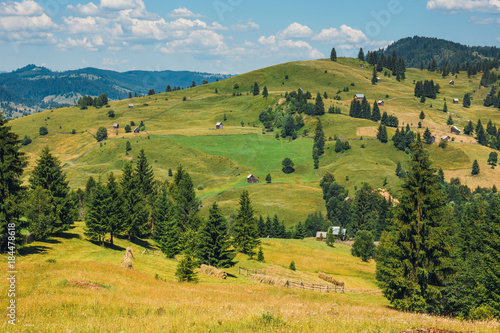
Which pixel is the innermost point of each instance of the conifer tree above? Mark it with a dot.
(445, 107)
(320, 106)
(245, 233)
(427, 136)
(475, 168)
(382, 134)
(144, 175)
(261, 226)
(361, 55)
(96, 219)
(269, 227)
(268, 178)
(363, 246)
(255, 89)
(39, 211)
(449, 121)
(374, 75)
(481, 134)
(375, 112)
(466, 101)
(260, 255)
(333, 55)
(422, 115)
(135, 215)
(213, 241)
(265, 93)
(185, 271)
(12, 163)
(114, 208)
(411, 257)
(300, 231)
(187, 203)
(48, 174)
(493, 158)
(319, 138)
(469, 128)
(167, 231)
(330, 238)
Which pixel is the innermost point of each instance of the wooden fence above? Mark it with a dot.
(296, 284)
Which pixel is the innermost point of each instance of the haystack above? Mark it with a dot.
(127, 258)
(330, 279)
(268, 279)
(212, 271)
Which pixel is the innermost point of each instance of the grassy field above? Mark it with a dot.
(135, 301)
(180, 129)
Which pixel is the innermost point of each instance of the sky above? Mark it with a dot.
(225, 36)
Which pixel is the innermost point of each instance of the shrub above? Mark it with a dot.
(292, 265)
(363, 246)
(43, 130)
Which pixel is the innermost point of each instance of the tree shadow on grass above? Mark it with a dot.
(138, 242)
(231, 276)
(33, 249)
(107, 245)
(67, 235)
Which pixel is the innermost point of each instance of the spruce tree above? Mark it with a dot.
(374, 76)
(12, 164)
(493, 158)
(469, 128)
(361, 55)
(320, 106)
(255, 89)
(422, 115)
(466, 101)
(382, 134)
(333, 55)
(268, 178)
(265, 93)
(330, 238)
(449, 121)
(411, 257)
(185, 271)
(213, 241)
(375, 112)
(363, 246)
(445, 107)
(144, 175)
(260, 255)
(319, 138)
(48, 174)
(261, 226)
(135, 214)
(187, 203)
(96, 219)
(39, 212)
(114, 208)
(427, 136)
(167, 231)
(269, 227)
(475, 168)
(245, 233)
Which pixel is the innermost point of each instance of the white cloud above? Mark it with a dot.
(25, 8)
(88, 9)
(83, 43)
(484, 20)
(183, 12)
(81, 25)
(197, 42)
(465, 5)
(271, 40)
(27, 23)
(346, 34)
(122, 4)
(296, 30)
(244, 26)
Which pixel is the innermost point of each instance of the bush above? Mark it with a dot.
(292, 265)
(363, 246)
(111, 114)
(73, 131)
(128, 129)
(102, 134)
(26, 141)
(287, 165)
(43, 130)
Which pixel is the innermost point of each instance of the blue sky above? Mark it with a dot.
(225, 36)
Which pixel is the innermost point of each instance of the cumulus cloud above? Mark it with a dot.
(122, 4)
(484, 20)
(346, 34)
(88, 9)
(27, 23)
(25, 8)
(183, 12)
(296, 30)
(464, 5)
(243, 26)
(197, 42)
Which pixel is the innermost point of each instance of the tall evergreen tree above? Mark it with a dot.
(48, 174)
(96, 219)
(320, 106)
(382, 134)
(374, 75)
(39, 211)
(411, 258)
(427, 136)
(469, 128)
(114, 208)
(333, 55)
(166, 231)
(213, 242)
(261, 226)
(12, 163)
(361, 54)
(466, 101)
(245, 233)
(375, 112)
(319, 138)
(144, 175)
(265, 93)
(135, 214)
(187, 203)
(475, 168)
(445, 107)
(255, 89)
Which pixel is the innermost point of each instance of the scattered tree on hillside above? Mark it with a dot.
(374, 76)
(39, 211)
(255, 89)
(268, 178)
(493, 158)
(382, 134)
(363, 246)
(449, 121)
(475, 168)
(287, 165)
(427, 137)
(43, 131)
(361, 55)
(245, 232)
(445, 107)
(102, 134)
(333, 55)
(265, 93)
(466, 101)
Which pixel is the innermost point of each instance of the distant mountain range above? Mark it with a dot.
(39, 86)
(417, 49)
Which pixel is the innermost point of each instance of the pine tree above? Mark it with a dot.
(422, 115)
(361, 55)
(268, 178)
(269, 227)
(449, 121)
(427, 136)
(375, 112)
(481, 134)
(12, 164)
(382, 134)
(363, 246)
(261, 226)
(445, 107)
(475, 168)
(144, 176)
(96, 219)
(187, 203)
(330, 238)
(399, 171)
(260, 255)
(245, 233)
(213, 241)
(493, 158)
(466, 101)
(411, 257)
(114, 208)
(186, 269)
(469, 128)
(167, 230)
(320, 106)
(319, 138)
(265, 93)
(333, 55)
(292, 265)
(374, 76)
(135, 214)
(48, 174)
(169, 89)
(255, 89)
(300, 231)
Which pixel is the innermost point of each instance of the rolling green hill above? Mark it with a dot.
(180, 129)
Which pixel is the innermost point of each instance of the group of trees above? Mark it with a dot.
(458, 275)
(298, 102)
(426, 89)
(487, 137)
(491, 99)
(86, 101)
(392, 62)
(363, 110)
(404, 139)
(319, 144)
(288, 123)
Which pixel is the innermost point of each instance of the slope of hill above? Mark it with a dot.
(33, 84)
(417, 49)
(68, 282)
(180, 129)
